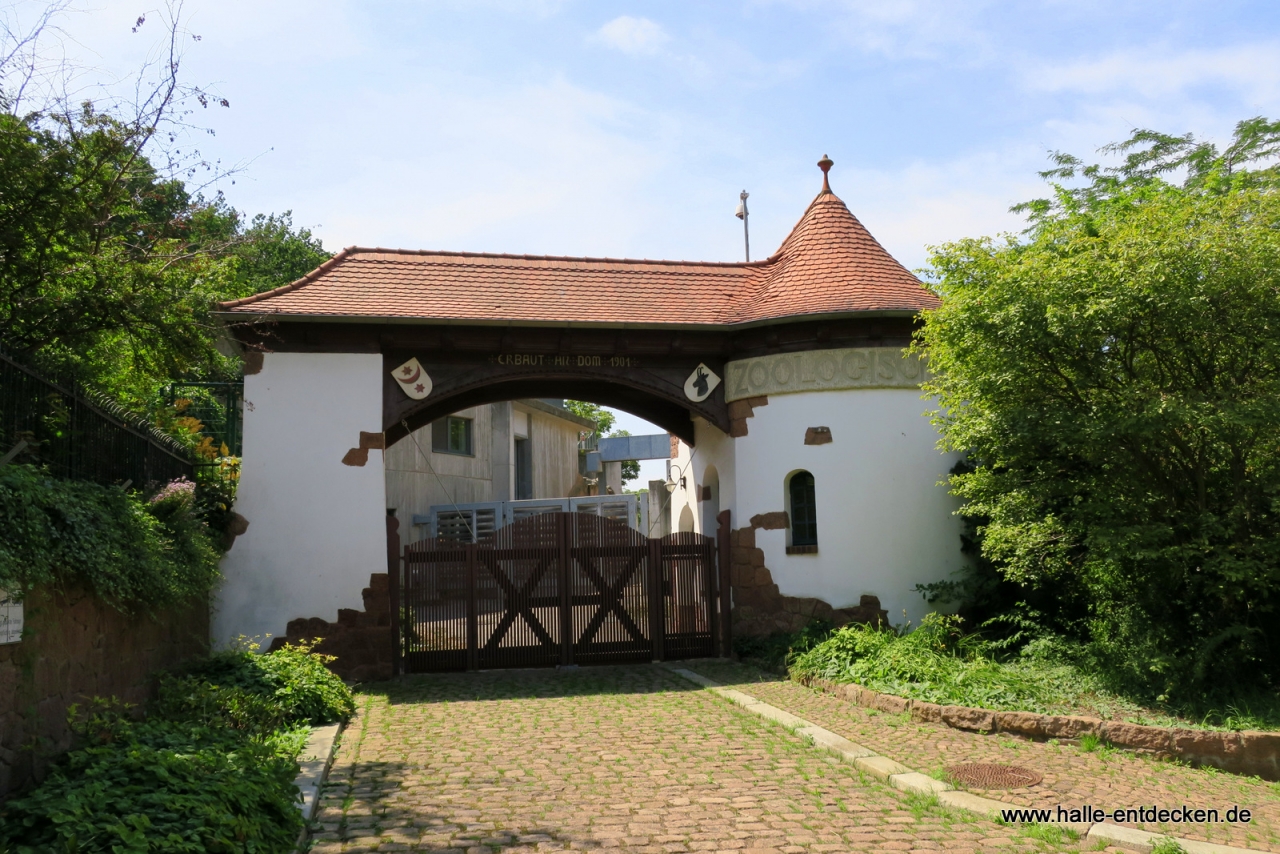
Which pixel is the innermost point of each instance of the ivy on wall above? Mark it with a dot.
(129, 551)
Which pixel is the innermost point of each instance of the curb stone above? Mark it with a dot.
(313, 766)
(901, 777)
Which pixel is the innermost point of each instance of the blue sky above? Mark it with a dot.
(628, 129)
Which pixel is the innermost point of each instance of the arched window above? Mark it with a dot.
(804, 510)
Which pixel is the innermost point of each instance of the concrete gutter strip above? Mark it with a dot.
(881, 767)
(776, 715)
(901, 777)
(917, 782)
(836, 743)
(736, 696)
(699, 679)
(1141, 840)
(313, 765)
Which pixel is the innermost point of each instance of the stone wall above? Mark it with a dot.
(1248, 753)
(74, 647)
(759, 608)
(360, 641)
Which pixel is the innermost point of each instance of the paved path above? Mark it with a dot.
(1072, 777)
(634, 758)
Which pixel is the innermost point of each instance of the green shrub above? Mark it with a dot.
(1112, 376)
(163, 786)
(126, 551)
(196, 701)
(938, 663)
(294, 679)
(776, 651)
(210, 769)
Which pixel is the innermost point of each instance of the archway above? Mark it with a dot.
(654, 401)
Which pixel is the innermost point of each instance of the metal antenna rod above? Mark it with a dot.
(742, 214)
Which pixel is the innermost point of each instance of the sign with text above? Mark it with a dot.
(10, 619)
(823, 370)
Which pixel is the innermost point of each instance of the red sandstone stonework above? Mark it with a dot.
(759, 608)
(360, 640)
(1249, 753)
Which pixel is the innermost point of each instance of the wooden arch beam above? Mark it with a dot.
(654, 394)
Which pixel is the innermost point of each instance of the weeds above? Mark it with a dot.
(1050, 833)
(939, 663)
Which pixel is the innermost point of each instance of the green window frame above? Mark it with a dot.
(804, 510)
(452, 435)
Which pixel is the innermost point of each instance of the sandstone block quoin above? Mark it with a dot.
(360, 640)
(759, 608)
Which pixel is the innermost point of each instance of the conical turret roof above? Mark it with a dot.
(830, 263)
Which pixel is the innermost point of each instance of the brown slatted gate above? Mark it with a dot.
(557, 589)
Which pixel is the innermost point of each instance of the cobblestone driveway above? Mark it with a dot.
(1072, 777)
(612, 757)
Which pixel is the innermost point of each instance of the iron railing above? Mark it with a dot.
(74, 433)
(217, 405)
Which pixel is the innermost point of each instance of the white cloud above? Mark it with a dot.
(1250, 70)
(904, 29)
(632, 35)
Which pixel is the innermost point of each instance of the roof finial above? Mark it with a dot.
(825, 165)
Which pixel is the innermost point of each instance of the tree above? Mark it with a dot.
(604, 423)
(1114, 376)
(110, 264)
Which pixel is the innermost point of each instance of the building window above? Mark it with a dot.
(804, 514)
(451, 435)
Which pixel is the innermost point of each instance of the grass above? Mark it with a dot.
(938, 663)
(1050, 833)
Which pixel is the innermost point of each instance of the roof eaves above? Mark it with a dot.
(293, 286)
(240, 318)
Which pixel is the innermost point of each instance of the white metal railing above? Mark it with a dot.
(472, 522)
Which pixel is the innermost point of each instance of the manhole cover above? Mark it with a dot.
(985, 776)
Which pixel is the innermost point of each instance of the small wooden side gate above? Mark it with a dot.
(556, 589)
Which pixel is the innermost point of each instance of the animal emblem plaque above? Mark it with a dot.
(701, 383)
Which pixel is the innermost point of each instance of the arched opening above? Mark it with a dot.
(686, 520)
(657, 406)
(473, 471)
(802, 509)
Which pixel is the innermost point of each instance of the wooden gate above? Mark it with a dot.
(555, 589)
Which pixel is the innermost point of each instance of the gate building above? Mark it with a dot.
(805, 475)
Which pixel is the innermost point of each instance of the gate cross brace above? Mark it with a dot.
(610, 599)
(518, 604)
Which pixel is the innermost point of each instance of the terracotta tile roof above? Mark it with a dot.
(829, 264)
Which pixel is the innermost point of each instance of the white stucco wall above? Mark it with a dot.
(884, 522)
(714, 448)
(317, 527)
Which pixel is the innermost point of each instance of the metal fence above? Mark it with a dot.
(76, 434)
(218, 406)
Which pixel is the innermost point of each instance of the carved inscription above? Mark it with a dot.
(540, 360)
(823, 370)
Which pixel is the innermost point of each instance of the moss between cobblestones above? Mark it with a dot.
(1072, 776)
(627, 757)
